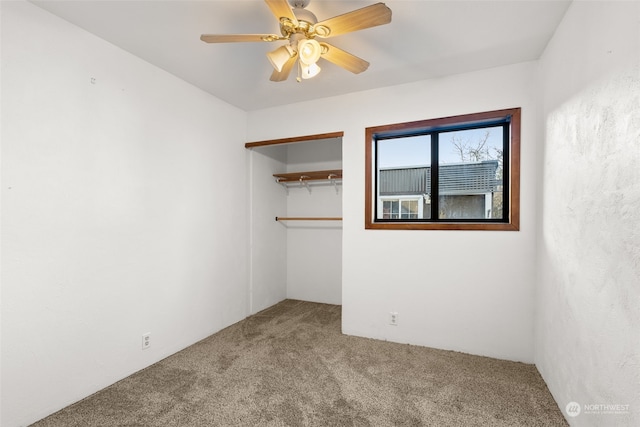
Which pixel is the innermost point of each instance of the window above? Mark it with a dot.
(453, 173)
(399, 208)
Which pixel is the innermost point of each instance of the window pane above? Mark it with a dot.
(470, 173)
(386, 209)
(394, 209)
(409, 209)
(404, 170)
(390, 209)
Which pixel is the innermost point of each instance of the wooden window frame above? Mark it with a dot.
(513, 221)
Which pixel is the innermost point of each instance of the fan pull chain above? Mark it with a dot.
(299, 78)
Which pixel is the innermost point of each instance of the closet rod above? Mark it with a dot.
(308, 218)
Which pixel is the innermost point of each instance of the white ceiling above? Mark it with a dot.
(425, 39)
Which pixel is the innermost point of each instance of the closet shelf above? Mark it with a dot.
(302, 178)
(308, 176)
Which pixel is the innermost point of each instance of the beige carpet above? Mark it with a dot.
(290, 366)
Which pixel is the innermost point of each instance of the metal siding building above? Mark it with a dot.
(466, 190)
(455, 179)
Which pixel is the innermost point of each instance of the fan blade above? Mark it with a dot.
(280, 76)
(229, 38)
(281, 9)
(343, 59)
(367, 17)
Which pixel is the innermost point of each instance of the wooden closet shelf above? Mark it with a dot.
(309, 176)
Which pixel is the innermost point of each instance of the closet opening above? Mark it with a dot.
(295, 190)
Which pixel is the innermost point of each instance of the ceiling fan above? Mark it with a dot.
(300, 27)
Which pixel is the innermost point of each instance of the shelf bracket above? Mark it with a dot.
(332, 179)
(304, 183)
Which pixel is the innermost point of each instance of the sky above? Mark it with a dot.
(416, 150)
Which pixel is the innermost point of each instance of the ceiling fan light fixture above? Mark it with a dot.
(309, 71)
(300, 27)
(309, 51)
(280, 56)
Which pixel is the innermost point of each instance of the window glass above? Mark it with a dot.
(459, 172)
(470, 173)
(404, 172)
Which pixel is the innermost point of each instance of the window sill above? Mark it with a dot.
(442, 226)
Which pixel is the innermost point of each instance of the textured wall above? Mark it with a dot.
(588, 305)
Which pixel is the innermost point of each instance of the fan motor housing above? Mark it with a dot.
(299, 3)
(306, 21)
(305, 15)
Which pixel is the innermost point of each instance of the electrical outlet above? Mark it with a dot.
(146, 340)
(393, 318)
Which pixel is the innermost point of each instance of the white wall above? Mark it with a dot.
(118, 217)
(469, 291)
(588, 294)
(268, 240)
(314, 248)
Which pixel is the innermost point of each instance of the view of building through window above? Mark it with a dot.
(454, 170)
(470, 170)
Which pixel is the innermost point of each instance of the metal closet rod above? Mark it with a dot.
(308, 218)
